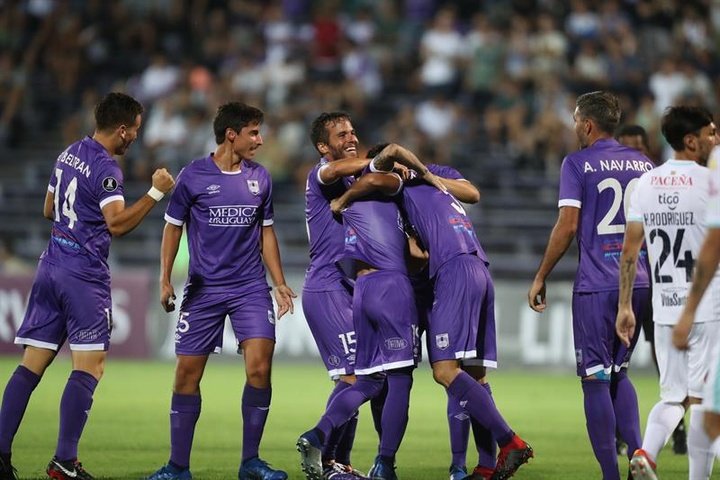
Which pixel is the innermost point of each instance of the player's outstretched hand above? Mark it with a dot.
(536, 296)
(167, 297)
(625, 325)
(337, 205)
(681, 331)
(435, 181)
(284, 299)
(162, 180)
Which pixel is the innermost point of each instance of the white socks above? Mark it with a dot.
(700, 456)
(663, 419)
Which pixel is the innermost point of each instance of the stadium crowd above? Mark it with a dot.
(452, 80)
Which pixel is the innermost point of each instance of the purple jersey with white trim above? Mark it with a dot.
(325, 232)
(223, 213)
(599, 180)
(84, 180)
(440, 220)
(374, 233)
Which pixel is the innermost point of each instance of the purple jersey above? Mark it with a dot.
(325, 232)
(599, 180)
(85, 179)
(374, 233)
(223, 213)
(440, 220)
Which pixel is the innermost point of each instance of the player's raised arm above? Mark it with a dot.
(121, 220)
(388, 184)
(335, 170)
(625, 321)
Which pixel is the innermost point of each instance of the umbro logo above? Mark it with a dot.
(214, 188)
(70, 473)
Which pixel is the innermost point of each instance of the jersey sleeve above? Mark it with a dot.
(268, 213)
(178, 209)
(109, 184)
(634, 209)
(571, 185)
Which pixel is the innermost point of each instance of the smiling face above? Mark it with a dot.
(342, 141)
(246, 142)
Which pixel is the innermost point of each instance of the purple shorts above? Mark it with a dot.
(385, 322)
(329, 316)
(201, 320)
(597, 347)
(63, 306)
(462, 321)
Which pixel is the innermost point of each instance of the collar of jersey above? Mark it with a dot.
(681, 163)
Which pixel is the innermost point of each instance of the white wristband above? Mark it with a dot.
(374, 169)
(155, 194)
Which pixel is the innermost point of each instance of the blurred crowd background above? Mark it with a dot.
(485, 85)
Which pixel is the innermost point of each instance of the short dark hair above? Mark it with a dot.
(601, 107)
(632, 130)
(235, 115)
(681, 120)
(116, 109)
(318, 131)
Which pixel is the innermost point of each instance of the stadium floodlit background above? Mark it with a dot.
(486, 86)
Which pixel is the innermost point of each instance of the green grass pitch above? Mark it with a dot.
(127, 435)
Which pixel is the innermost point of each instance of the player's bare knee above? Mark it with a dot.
(258, 374)
(445, 372)
(711, 422)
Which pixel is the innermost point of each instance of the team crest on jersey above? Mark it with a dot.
(253, 186)
(109, 184)
(333, 360)
(442, 341)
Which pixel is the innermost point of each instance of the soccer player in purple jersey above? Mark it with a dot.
(70, 297)
(224, 200)
(593, 185)
(327, 293)
(461, 328)
(385, 322)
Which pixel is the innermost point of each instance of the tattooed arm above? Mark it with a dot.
(625, 321)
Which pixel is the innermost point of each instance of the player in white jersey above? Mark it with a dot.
(706, 272)
(667, 211)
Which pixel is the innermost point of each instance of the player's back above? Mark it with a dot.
(440, 220)
(374, 233)
(325, 231)
(85, 179)
(672, 202)
(599, 180)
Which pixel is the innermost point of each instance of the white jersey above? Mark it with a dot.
(672, 202)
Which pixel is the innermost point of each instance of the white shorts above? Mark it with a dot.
(683, 373)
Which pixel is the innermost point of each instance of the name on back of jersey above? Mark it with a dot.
(619, 166)
(74, 162)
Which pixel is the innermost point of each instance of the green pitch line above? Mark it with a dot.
(127, 436)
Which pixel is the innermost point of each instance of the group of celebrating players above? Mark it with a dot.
(393, 255)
